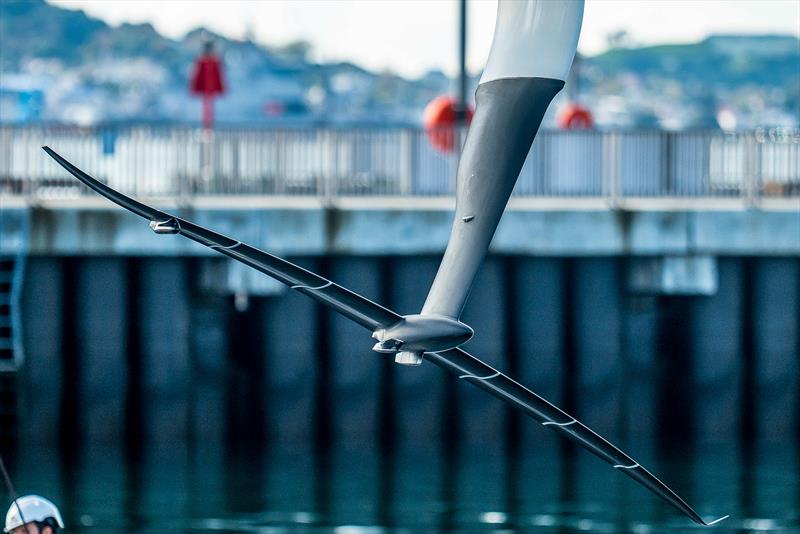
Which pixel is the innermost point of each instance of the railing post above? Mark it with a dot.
(182, 138)
(187, 181)
(328, 184)
(6, 160)
(668, 188)
(236, 177)
(610, 187)
(206, 166)
(751, 171)
(27, 185)
(407, 161)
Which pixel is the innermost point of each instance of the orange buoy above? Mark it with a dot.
(439, 119)
(575, 117)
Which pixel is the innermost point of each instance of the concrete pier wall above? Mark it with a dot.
(717, 356)
(646, 325)
(400, 226)
(43, 319)
(118, 346)
(353, 369)
(293, 365)
(100, 341)
(775, 346)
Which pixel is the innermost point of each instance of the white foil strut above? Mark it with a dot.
(534, 39)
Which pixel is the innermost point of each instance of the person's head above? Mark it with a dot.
(36, 527)
(33, 515)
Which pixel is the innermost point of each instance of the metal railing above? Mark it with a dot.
(185, 162)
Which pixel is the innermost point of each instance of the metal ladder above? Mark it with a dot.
(12, 271)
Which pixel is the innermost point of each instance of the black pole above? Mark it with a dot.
(462, 58)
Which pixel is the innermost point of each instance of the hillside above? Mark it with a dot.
(87, 71)
(728, 61)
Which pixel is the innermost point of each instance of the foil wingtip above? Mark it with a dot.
(714, 522)
(55, 155)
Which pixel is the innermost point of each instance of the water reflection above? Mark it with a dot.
(183, 489)
(273, 418)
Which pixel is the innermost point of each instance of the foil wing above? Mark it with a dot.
(372, 316)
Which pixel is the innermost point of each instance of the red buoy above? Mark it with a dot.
(207, 82)
(440, 118)
(575, 117)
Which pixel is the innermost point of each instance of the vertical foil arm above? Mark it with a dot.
(508, 114)
(533, 47)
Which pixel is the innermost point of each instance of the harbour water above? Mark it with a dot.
(149, 405)
(201, 488)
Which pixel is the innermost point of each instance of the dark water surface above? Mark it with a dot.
(203, 488)
(279, 417)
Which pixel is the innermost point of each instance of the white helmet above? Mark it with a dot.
(34, 509)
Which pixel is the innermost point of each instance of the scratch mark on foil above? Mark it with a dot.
(635, 465)
(229, 247)
(481, 377)
(560, 424)
(323, 286)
